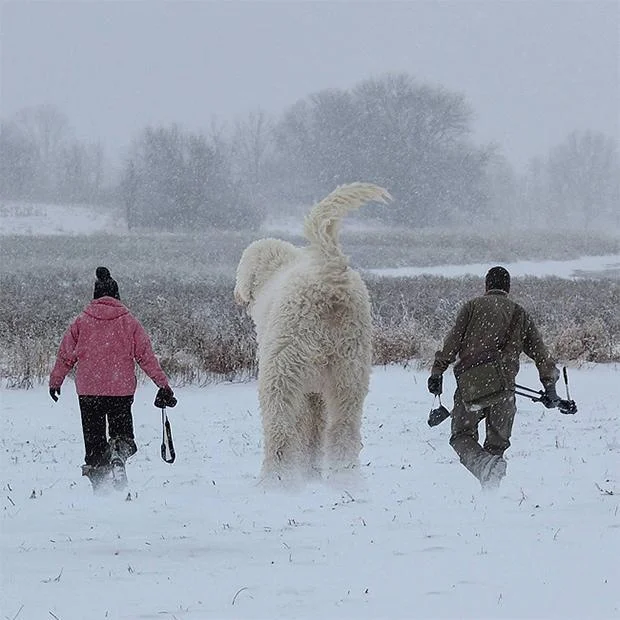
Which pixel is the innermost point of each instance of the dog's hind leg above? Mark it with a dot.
(283, 407)
(345, 402)
(312, 429)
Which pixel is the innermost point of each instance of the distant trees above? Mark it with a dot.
(584, 179)
(577, 184)
(40, 160)
(80, 172)
(18, 165)
(46, 130)
(252, 154)
(505, 192)
(178, 180)
(412, 138)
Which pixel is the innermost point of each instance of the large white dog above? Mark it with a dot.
(313, 326)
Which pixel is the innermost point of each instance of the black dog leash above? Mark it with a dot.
(167, 446)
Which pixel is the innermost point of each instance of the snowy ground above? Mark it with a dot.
(19, 218)
(23, 218)
(200, 539)
(585, 266)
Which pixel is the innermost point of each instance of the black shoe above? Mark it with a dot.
(119, 475)
(99, 476)
(121, 448)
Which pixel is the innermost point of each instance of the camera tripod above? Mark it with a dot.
(566, 406)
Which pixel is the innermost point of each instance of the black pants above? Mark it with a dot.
(116, 410)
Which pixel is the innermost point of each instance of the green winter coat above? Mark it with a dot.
(480, 326)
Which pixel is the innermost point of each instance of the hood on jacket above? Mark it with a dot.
(105, 309)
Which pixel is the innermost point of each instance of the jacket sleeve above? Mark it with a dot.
(66, 357)
(453, 341)
(146, 358)
(535, 349)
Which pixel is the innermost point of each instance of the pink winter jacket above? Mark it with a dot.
(105, 341)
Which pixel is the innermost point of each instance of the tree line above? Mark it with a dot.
(40, 160)
(413, 138)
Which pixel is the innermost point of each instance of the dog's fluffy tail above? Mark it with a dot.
(322, 224)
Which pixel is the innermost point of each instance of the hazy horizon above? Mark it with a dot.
(531, 71)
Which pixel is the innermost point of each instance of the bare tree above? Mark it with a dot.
(47, 129)
(409, 137)
(129, 192)
(80, 172)
(252, 144)
(506, 192)
(535, 193)
(176, 179)
(584, 178)
(18, 163)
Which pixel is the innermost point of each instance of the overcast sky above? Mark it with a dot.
(532, 71)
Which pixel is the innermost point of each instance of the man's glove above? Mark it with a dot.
(550, 398)
(165, 398)
(435, 384)
(55, 393)
(567, 407)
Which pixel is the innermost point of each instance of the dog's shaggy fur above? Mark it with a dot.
(312, 317)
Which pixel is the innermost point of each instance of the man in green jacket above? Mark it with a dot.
(491, 323)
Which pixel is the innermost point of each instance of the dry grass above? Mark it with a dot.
(180, 287)
(200, 335)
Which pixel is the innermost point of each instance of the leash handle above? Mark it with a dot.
(167, 445)
(565, 373)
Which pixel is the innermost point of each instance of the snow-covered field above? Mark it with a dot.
(20, 218)
(584, 266)
(200, 539)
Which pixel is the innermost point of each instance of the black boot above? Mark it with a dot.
(99, 476)
(120, 449)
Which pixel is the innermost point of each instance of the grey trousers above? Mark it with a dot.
(464, 437)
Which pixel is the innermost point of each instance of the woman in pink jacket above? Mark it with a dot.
(105, 341)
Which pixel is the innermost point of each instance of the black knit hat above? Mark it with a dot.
(105, 286)
(497, 278)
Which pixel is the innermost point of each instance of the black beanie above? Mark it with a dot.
(105, 286)
(498, 278)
